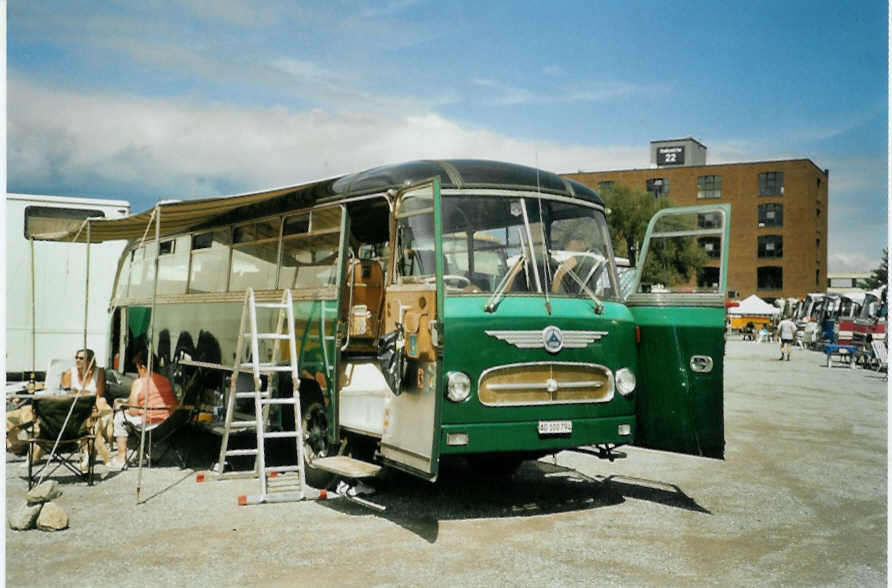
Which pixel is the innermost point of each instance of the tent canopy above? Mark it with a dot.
(754, 306)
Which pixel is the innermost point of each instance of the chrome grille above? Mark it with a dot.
(526, 384)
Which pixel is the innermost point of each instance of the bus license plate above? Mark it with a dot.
(555, 427)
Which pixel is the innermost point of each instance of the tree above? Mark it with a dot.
(630, 211)
(879, 276)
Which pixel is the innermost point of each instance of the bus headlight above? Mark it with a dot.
(458, 386)
(625, 381)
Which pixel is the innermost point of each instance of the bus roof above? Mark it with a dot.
(185, 215)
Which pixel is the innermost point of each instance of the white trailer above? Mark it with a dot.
(46, 281)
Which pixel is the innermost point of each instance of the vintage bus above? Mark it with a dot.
(442, 308)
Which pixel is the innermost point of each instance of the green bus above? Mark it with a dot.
(442, 308)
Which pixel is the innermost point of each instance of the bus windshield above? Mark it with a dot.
(528, 245)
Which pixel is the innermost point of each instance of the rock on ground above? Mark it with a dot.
(52, 517)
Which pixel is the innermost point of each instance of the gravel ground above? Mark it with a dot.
(800, 500)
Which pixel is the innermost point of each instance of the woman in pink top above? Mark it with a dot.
(161, 402)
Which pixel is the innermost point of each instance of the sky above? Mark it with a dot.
(154, 100)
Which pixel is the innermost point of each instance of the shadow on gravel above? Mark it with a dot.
(537, 488)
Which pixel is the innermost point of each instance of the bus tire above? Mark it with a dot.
(315, 432)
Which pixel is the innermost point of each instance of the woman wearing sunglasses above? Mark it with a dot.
(85, 375)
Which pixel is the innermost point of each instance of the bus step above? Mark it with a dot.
(348, 467)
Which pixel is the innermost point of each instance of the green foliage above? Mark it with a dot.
(631, 210)
(879, 276)
(674, 261)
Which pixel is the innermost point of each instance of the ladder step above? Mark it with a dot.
(270, 305)
(242, 424)
(250, 394)
(280, 435)
(278, 401)
(282, 336)
(283, 469)
(241, 452)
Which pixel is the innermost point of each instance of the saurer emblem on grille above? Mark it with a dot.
(551, 338)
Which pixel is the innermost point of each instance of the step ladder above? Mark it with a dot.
(289, 487)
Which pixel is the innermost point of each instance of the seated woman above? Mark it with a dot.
(85, 376)
(161, 402)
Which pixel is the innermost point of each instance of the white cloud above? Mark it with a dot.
(177, 149)
(851, 263)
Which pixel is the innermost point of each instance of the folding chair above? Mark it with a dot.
(60, 428)
(162, 435)
(881, 354)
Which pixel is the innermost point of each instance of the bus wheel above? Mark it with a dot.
(315, 429)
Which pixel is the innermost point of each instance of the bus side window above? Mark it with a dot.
(310, 249)
(210, 261)
(255, 248)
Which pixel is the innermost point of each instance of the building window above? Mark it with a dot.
(818, 212)
(48, 220)
(605, 186)
(708, 278)
(658, 187)
(709, 187)
(817, 277)
(709, 220)
(771, 246)
(711, 245)
(771, 183)
(770, 277)
(771, 215)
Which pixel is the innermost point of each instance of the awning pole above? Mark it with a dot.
(33, 316)
(87, 290)
(151, 353)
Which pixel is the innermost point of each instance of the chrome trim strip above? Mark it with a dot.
(676, 299)
(528, 339)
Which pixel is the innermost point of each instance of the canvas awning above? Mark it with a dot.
(176, 216)
(754, 306)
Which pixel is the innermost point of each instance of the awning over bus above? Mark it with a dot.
(176, 216)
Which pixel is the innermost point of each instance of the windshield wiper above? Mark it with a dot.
(493, 301)
(599, 306)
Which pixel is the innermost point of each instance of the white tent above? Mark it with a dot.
(754, 306)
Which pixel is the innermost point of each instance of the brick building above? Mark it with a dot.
(779, 212)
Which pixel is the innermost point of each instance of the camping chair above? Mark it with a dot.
(163, 435)
(881, 354)
(62, 445)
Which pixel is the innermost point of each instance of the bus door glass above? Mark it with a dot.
(678, 305)
(413, 305)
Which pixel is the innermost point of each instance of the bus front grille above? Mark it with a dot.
(525, 384)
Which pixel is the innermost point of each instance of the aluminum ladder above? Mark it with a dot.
(286, 488)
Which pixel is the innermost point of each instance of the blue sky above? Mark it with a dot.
(153, 100)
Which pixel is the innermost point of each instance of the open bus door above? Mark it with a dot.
(678, 305)
(414, 311)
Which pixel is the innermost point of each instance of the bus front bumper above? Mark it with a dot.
(535, 436)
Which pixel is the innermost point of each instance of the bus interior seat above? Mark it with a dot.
(367, 297)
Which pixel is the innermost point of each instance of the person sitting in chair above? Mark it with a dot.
(161, 402)
(85, 375)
